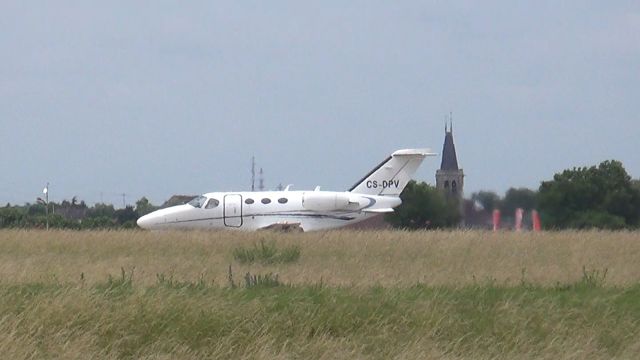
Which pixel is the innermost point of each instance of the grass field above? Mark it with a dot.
(135, 294)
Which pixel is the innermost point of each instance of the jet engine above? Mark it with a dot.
(328, 201)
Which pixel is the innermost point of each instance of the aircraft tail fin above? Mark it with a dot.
(393, 174)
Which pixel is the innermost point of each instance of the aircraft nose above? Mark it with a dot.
(144, 222)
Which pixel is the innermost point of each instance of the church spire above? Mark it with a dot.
(450, 177)
(449, 157)
(449, 119)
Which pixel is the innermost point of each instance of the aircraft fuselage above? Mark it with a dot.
(312, 210)
(377, 192)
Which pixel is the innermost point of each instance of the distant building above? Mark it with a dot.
(477, 217)
(177, 200)
(450, 177)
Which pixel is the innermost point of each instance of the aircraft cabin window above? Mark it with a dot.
(248, 201)
(265, 201)
(198, 201)
(213, 203)
(283, 200)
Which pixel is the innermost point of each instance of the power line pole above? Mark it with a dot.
(124, 201)
(261, 180)
(46, 204)
(253, 173)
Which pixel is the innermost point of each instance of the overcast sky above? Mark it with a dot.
(154, 98)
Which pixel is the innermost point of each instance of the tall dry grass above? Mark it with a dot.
(344, 258)
(165, 295)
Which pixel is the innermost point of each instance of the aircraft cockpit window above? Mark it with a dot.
(213, 203)
(198, 201)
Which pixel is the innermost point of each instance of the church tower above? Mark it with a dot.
(450, 178)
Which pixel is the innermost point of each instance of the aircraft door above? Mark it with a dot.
(233, 210)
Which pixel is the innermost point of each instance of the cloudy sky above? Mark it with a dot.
(154, 98)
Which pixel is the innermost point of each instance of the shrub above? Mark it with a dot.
(261, 281)
(266, 254)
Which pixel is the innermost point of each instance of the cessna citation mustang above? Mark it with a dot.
(378, 192)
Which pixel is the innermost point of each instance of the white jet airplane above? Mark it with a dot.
(377, 192)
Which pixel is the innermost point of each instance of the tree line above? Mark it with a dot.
(73, 215)
(602, 196)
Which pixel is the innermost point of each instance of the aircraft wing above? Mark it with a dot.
(284, 227)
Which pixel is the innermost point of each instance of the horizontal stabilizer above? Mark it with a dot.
(385, 210)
